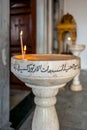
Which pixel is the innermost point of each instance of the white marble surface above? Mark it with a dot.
(45, 74)
(76, 50)
(54, 70)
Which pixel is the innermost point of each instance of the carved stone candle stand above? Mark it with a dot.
(45, 74)
(76, 50)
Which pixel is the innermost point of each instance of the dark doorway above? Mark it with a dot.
(22, 17)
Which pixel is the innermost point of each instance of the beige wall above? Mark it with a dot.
(78, 8)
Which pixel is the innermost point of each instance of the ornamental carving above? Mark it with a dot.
(66, 24)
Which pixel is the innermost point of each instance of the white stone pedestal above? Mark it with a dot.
(76, 50)
(76, 85)
(45, 74)
(45, 116)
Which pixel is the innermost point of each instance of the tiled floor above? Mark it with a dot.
(71, 107)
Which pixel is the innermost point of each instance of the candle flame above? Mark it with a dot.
(69, 38)
(21, 33)
(24, 47)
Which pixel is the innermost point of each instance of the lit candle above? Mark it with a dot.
(21, 40)
(24, 51)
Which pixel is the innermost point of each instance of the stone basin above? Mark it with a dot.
(45, 69)
(76, 48)
(45, 74)
(80, 47)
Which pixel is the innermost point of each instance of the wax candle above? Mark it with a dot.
(24, 51)
(21, 40)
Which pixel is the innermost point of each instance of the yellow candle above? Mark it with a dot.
(24, 49)
(21, 40)
(24, 52)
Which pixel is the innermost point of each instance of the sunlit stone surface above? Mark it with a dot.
(45, 74)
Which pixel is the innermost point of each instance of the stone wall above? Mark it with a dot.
(4, 65)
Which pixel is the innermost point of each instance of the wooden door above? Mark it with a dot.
(22, 17)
